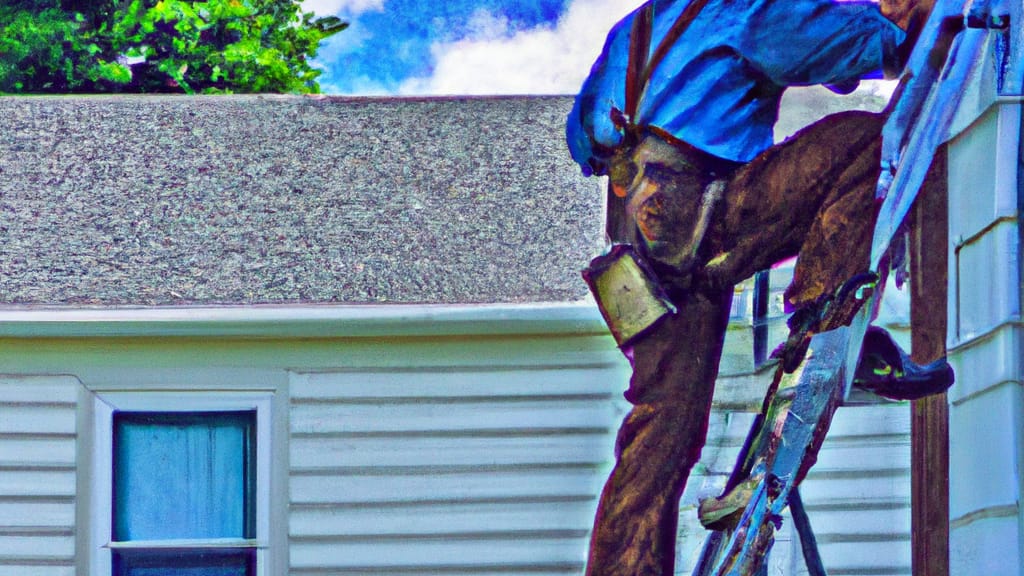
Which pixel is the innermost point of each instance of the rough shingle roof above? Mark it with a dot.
(273, 199)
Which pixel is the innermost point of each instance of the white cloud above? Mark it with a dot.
(498, 60)
(357, 86)
(335, 7)
(484, 26)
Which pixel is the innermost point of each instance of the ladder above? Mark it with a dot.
(797, 411)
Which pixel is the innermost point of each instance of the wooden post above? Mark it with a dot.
(762, 288)
(930, 416)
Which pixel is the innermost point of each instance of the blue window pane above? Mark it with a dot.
(228, 562)
(183, 475)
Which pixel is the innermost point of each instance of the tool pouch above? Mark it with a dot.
(627, 292)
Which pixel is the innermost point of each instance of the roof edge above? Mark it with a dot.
(291, 97)
(303, 321)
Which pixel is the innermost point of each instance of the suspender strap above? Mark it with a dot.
(636, 68)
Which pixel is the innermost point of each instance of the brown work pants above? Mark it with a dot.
(812, 195)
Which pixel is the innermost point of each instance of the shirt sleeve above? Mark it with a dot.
(589, 123)
(803, 42)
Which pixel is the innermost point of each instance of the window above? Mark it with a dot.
(185, 477)
(180, 485)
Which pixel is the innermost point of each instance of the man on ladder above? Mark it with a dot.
(678, 111)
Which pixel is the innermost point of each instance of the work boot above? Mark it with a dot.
(888, 371)
(724, 512)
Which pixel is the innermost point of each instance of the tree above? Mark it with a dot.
(211, 46)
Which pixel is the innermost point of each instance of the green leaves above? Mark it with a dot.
(114, 72)
(213, 46)
(41, 51)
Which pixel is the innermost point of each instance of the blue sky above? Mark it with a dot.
(443, 47)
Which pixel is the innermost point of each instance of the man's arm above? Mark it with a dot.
(806, 42)
(603, 90)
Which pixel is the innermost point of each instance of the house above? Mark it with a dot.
(342, 336)
(986, 190)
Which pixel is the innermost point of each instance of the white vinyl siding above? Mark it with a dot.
(37, 475)
(985, 343)
(478, 453)
(467, 469)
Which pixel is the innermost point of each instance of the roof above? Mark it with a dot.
(174, 200)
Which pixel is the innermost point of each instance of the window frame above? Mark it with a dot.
(105, 404)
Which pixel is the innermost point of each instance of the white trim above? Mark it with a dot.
(187, 544)
(101, 488)
(303, 321)
(101, 483)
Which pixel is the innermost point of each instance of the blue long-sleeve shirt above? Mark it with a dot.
(719, 86)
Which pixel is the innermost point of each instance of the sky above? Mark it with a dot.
(463, 47)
